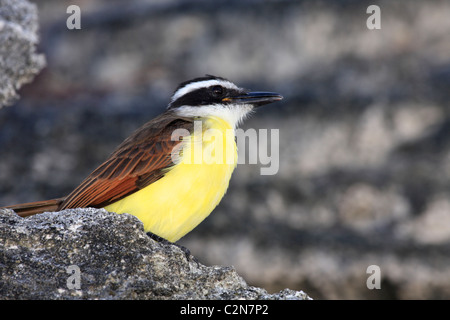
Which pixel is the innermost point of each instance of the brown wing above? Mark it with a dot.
(30, 208)
(139, 161)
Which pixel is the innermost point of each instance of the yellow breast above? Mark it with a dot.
(191, 189)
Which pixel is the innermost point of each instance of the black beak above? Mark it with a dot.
(254, 98)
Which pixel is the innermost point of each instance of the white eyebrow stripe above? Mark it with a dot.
(202, 84)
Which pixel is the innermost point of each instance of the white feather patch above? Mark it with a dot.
(202, 84)
(233, 114)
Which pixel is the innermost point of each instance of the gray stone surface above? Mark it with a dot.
(19, 62)
(115, 257)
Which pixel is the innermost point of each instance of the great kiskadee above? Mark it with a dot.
(170, 194)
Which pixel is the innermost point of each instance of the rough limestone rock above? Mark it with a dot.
(94, 254)
(19, 62)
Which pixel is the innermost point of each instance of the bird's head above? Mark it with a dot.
(219, 97)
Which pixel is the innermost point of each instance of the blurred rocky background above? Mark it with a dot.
(364, 174)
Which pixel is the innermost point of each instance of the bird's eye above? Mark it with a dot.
(217, 91)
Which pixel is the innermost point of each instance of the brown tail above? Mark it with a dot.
(28, 209)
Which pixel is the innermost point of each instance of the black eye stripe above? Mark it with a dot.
(193, 98)
(203, 96)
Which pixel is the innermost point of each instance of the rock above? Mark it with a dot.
(94, 254)
(19, 62)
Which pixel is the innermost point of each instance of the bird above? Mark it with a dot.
(174, 170)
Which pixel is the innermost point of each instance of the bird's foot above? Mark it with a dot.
(187, 253)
